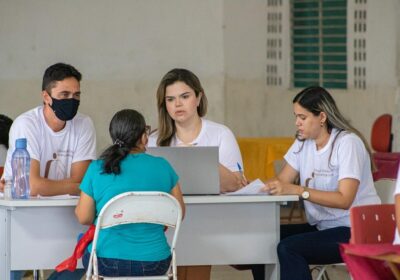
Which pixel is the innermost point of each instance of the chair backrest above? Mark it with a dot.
(387, 165)
(138, 207)
(381, 134)
(385, 190)
(371, 224)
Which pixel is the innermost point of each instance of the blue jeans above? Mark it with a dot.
(117, 267)
(302, 245)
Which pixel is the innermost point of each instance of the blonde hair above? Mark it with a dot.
(166, 125)
(316, 100)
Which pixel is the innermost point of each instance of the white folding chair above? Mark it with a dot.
(138, 207)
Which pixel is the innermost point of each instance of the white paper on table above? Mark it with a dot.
(254, 188)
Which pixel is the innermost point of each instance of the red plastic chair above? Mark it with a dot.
(381, 134)
(372, 232)
(372, 224)
(1, 170)
(387, 165)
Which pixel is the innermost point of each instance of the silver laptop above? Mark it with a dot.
(197, 167)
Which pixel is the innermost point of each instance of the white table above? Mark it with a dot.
(219, 230)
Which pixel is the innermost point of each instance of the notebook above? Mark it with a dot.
(197, 167)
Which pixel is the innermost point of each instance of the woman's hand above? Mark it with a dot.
(277, 187)
(241, 179)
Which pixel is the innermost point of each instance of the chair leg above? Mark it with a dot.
(36, 275)
(294, 205)
(322, 273)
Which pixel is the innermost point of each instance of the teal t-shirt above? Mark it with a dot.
(139, 172)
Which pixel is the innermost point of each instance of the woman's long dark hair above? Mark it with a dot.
(126, 129)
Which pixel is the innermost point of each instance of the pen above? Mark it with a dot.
(241, 170)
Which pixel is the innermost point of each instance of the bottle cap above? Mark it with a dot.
(20, 143)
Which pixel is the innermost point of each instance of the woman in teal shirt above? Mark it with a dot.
(133, 249)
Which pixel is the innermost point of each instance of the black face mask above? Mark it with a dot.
(65, 109)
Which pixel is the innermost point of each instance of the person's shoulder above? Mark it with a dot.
(29, 118)
(302, 146)
(82, 120)
(216, 127)
(153, 158)
(96, 164)
(349, 137)
(156, 160)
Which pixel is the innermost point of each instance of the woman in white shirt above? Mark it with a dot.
(334, 163)
(182, 104)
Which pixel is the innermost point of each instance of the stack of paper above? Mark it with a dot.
(254, 188)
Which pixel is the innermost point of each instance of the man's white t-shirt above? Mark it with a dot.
(56, 151)
(212, 134)
(323, 169)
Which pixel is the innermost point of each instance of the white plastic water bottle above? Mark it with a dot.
(20, 165)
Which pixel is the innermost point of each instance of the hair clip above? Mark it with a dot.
(118, 142)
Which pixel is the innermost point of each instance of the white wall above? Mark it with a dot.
(253, 109)
(123, 48)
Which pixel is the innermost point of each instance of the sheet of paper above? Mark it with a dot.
(254, 188)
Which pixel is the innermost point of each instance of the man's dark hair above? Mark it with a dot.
(5, 124)
(59, 72)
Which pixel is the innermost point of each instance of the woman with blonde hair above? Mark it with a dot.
(334, 163)
(182, 104)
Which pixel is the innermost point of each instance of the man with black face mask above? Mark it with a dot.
(61, 141)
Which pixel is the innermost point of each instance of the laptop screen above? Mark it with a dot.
(197, 167)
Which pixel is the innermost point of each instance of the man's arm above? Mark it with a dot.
(47, 187)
